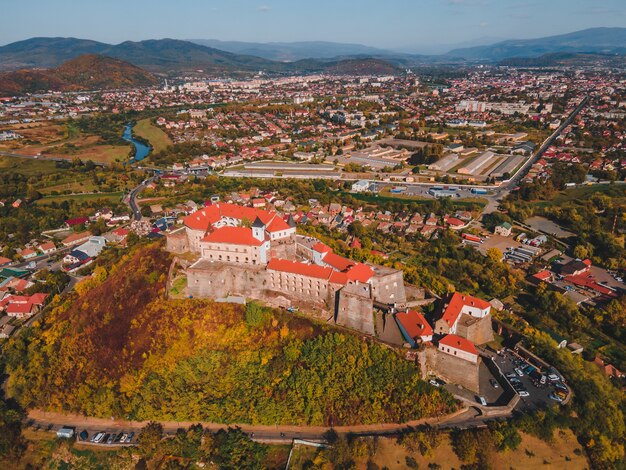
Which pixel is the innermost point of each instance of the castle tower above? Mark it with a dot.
(258, 229)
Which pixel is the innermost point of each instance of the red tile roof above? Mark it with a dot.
(456, 304)
(454, 341)
(543, 275)
(277, 225)
(360, 272)
(414, 324)
(303, 269)
(338, 262)
(233, 236)
(321, 248)
(200, 220)
(4, 260)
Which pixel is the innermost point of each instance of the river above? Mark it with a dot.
(141, 149)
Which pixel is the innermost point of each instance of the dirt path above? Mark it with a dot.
(46, 419)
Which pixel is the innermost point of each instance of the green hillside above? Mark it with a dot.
(118, 348)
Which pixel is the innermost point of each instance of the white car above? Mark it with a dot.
(434, 383)
(523, 393)
(98, 437)
(519, 372)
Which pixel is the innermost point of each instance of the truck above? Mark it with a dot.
(65, 433)
(471, 238)
(478, 191)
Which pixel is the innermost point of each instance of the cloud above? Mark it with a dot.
(263, 8)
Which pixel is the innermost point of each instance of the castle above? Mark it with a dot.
(256, 253)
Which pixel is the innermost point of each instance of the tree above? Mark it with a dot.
(149, 438)
(494, 255)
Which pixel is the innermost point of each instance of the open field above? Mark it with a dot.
(157, 138)
(27, 167)
(65, 141)
(532, 453)
(114, 197)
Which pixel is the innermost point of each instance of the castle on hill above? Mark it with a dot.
(257, 254)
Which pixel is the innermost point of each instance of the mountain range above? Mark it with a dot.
(209, 56)
(85, 72)
(594, 40)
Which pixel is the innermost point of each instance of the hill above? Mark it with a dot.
(167, 55)
(566, 59)
(86, 72)
(293, 51)
(118, 347)
(594, 40)
(45, 52)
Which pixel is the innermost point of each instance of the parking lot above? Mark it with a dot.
(538, 395)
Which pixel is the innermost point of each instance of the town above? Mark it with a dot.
(469, 222)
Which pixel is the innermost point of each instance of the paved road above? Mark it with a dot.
(132, 198)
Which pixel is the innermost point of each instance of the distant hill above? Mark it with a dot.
(86, 72)
(45, 52)
(566, 59)
(594, 40)
(293, 51)
(167, 55)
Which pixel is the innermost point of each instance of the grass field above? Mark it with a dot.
(114, 197)
(531, 454)
(27, 167)
(55, 140)
(157, 138)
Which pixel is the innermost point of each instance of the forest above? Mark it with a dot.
(117, 347)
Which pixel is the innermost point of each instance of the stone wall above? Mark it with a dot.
(477, 330)
(217, 280)
(176, 242)
(388, 287)
(450, 368)
(355, 308)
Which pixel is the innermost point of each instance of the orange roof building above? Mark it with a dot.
(459, 304)
(414, 327)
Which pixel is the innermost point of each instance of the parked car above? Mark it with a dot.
(97, 437)
(130, 437)
(433, 382)
(555, 398)
(523, 393)
(124, 437)
(481, 400)
(519, 372)
(111, 438)
(83, 436)
(105, 438)
(494, 383)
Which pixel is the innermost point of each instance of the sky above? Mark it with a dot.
(394, 24)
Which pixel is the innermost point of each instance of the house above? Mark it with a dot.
(4, 261)
(459, 347)
(85, 252)
(47, 248)
(503, 229)
(414, 327)
(360, 186)
(458, 305)
(20, 306)
(575, 267)
(76, 221)
(575, 348)
(76, 238)
(28, 253)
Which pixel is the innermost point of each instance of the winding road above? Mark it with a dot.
(467, 417)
